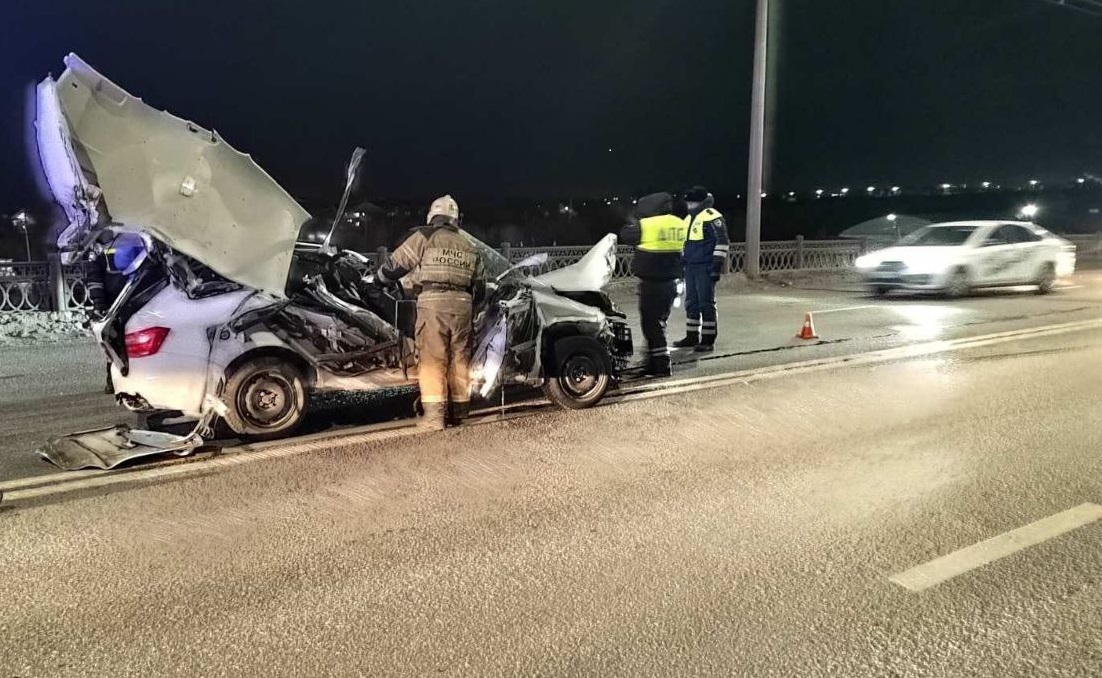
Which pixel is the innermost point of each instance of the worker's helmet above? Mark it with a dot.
(445, 206)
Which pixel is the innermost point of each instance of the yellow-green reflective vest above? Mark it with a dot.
(664, 233)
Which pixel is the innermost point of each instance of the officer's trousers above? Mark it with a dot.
(700, 302)
(656, 299)
(444, 346)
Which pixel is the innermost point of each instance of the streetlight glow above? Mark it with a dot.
(1029, 211)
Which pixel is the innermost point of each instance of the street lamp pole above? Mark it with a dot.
(757, 142)
(21, 220)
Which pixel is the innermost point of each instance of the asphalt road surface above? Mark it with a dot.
(863, 521)
(53, 390)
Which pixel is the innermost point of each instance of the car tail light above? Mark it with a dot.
(144, 343)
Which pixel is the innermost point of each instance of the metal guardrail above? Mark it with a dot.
(1087, 245)
(49, 286)
(793, 255)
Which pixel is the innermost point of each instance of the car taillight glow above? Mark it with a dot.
(144, 343)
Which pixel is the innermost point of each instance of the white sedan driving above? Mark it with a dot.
(956, 258)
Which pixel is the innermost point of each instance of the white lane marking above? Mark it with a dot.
(969, 558)
(848, 308)
(234, 456)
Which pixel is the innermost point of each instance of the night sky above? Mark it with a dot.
(505, 98)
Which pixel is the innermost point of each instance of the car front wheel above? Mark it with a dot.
(958, 285)
(1046, 278)
(579, 375)
(266, 399)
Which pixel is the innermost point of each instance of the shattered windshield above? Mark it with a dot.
(493, 261)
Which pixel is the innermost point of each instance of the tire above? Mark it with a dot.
(579, 373)
(266, 398)
(957, 286)
(1046, 278)
(879, 291)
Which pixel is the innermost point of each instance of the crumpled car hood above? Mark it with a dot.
(113, 161)
(590, 273)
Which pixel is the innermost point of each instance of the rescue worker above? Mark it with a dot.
(450, 276)
(705, 258)
(658, 233)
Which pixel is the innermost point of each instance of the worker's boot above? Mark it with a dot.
(707, 344)
(457, 413)
(435, 417)
(659, 366)
(690, 341)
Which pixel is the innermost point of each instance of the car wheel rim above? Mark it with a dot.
(267, 400)
(958, 285)
(580, 376)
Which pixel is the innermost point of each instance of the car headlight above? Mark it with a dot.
(866, 261)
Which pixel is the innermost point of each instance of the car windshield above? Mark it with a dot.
(493, 261)
(939, 236)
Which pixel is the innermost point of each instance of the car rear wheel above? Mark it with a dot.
(266, 399)
(579, 375)
(1046, 278)
(958, 285)
(879, 291)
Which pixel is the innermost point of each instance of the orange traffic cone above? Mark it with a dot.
(808, 330)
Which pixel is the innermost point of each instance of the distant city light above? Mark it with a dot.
(819, 192)
(896, 189)
(986, 184)
(946, 187)
(845, 191)
(764, 194)
(1029, 211)
(871, 189)
(1033, 182)
(891, 217)
(1081, 180)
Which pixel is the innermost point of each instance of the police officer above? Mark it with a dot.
(658, 232)
(705, 257)
(450, 275)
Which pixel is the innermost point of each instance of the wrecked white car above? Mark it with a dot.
(225, 317)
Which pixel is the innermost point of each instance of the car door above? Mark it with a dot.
(997, 258)
(1028, 254)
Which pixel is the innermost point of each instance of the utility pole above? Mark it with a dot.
(757, 142)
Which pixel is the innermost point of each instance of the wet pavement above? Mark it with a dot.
(56, 389)
(752, 530)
